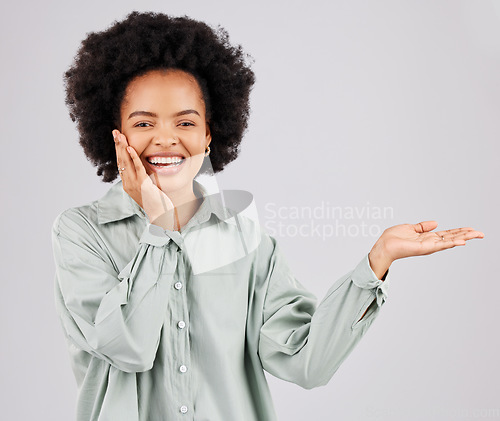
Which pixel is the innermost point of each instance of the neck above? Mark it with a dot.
(186, 203)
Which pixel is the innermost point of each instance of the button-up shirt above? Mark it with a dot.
(179, 325)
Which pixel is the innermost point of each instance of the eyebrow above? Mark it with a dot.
(154, 115)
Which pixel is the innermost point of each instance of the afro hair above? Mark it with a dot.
(107, 61)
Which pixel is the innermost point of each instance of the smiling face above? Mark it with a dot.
(163, 118)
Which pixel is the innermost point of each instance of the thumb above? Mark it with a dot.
(425, 226)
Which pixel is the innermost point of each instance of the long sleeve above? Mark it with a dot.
(305, 344)
(115, 315)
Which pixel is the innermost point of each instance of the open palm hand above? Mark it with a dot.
(407, 240)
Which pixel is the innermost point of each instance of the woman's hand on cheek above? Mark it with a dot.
(140, 187)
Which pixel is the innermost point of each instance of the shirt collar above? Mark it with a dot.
(116, 205)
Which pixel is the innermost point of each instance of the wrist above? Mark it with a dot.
(379, 260)
(165, 220)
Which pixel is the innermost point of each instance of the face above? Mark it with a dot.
(163, 118)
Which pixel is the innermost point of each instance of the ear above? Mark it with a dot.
(208, 135)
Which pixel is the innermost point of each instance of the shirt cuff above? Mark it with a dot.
(364, 277)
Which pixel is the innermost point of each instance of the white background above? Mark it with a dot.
(357, 104)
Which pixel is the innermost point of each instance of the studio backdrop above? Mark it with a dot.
(365, 114)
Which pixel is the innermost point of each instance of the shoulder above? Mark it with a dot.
(75, 234)
(113, 205)
(75, 220)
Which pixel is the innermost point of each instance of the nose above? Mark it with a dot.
(165, 137)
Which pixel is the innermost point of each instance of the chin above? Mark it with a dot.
(174, 183)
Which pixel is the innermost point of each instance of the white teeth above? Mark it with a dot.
(165, 160)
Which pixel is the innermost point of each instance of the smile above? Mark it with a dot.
(166, 161)
(166, 165)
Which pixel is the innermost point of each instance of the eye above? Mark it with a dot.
(142, 124)
(186, 124)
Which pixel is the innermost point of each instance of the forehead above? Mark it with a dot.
(166, 87)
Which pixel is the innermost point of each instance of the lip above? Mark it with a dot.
(166, 154)
(167, 170)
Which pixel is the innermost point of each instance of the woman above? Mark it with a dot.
(173, 304)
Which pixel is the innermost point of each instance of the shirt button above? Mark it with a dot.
(183, 409)
(181, 324)
(182, 368)
(178, 285)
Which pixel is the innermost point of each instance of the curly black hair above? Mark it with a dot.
(107, 61)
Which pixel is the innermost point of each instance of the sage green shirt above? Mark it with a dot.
(164, 325)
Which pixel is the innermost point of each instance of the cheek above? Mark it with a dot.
(196, 144)
(139, 148)
(137, 143)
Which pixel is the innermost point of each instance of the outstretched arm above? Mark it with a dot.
(304, 343)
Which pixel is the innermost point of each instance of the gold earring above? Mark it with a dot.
(207, 151)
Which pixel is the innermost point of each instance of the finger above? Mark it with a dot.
(119, 157)
(456, 240)
(469, 235)
(454, 231)
(124, 159)
(119, 149)
(451, 244)
(437, 238)
(425, 226)
(441, 245)
(434, 243)
(137, 163)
